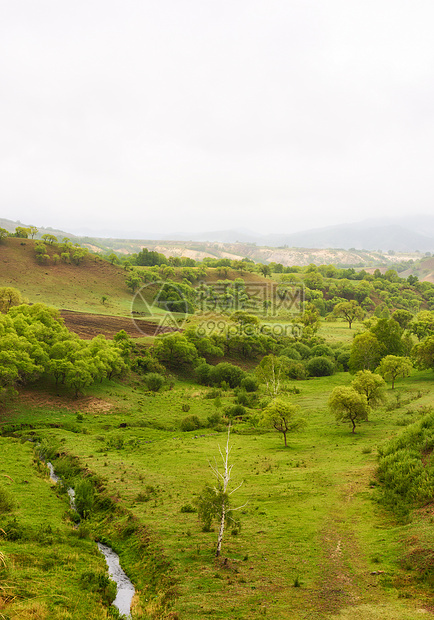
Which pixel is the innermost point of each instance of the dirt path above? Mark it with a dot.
(348, 587)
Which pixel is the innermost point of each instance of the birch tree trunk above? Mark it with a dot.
(224, 479)
(221, 531)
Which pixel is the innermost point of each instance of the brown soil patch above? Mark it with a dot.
(88, 326)
(86, 404)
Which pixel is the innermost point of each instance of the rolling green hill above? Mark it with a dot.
(69, 286)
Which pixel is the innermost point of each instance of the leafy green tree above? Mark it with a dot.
(203, 373)
(113, 258)
(80, 374)
(243, 318)
(371, 385)
(150, 258)
(265, 270)
(348, 405)
(206, 347)
(402, 317)
(175, 351)
(393, 366)
(310, 319)
(107, 357)
(365, 352)
(50, 239)
(33, 231)
(280, 415)
(16, 362)
(21, 232)
(314, 280)
(78, 255)
(350, 310)
(423, 353)
(9, 296)
(227, 373)
(389, 334)
(133, 281)
(176, 297)
(3, 234)
(423, 325)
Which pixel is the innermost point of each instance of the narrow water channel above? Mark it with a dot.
(125, 589)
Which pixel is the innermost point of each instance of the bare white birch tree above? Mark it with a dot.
(215, 501)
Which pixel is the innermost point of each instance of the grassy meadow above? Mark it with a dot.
(313, 544)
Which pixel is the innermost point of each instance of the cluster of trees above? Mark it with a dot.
(327, 291)
(34, 343)
(65, 252)
(353, 403)
(389, 344)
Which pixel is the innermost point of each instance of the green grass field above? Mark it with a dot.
(314, 543)
(310, 518)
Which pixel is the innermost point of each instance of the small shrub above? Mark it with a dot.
(249, 384)
(226, 373)
(214, 393)
(99, 582)
(343, 358)
(190, 423)
(291, 353)
(296, 370)
(15, 530)
(243, 398)
(202, 372)
(320, 367)
(84, 497)
(303, 349)
(214, 419)
(322, 350)
(187, 508)
(185, 407)
(235, 411)
(154, 381)
(83, 531)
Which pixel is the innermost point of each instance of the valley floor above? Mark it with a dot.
(314, 543)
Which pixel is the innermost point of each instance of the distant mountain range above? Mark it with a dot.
(400, 234)
(408, 234)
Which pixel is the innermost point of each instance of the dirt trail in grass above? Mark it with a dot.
(347, 587)
(345, 579)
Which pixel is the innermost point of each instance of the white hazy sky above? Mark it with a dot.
(139, 116)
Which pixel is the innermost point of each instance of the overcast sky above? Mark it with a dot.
(122, 117)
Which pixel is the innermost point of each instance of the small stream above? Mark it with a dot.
(125, 589)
